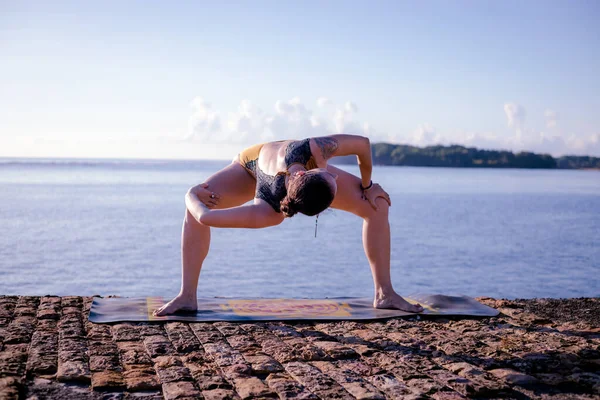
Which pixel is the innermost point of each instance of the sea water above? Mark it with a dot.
(112, 227)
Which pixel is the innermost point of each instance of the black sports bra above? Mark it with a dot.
(272, 188)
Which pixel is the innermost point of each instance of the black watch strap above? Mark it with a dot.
(368, 187)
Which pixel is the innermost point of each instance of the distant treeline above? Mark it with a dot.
(469, 157)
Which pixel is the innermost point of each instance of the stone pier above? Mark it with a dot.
(541, 348)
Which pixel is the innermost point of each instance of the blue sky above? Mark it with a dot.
(160, 79)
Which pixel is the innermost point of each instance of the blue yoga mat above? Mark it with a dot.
(117, 309)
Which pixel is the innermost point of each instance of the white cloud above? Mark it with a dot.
(425, 135)
(204, 122)
(351, 107)
(323, 102)
(289, 120)
(247, 122)
(535, 141)
(293, 120)
(485, 140)
(593, 144)
(515, 114)
(551, 118)
(586, 145)
(559, 145)
(528, 140)
(345, 120)
(283, 107)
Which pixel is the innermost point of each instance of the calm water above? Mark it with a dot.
(113, 227)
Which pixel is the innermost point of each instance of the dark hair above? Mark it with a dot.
(310, 194)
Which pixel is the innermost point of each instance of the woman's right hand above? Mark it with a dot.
(373, 193)
(209, 198)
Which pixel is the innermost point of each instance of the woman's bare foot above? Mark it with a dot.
(396, 301)
(179, 303)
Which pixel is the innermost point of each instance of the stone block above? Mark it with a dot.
(390, 385)
(10, 387)
(173, 373)
(73, 371)
(49, 308)
(70, 326)
(43, 354)
(149, 329)
(158, 345)
(222, 354)
(315, 381)
(336, 350)
(354, 383)
(243, 343)
(26, 306)
(71, 302)
(220, 394)
(108, 362)
(514, 378)
(20, 330)
(7, 306)
(71, 311)
(283, 331)
(72, 349)
(263, 364)
(180, 390)
(204, 372)
(125, 332)
(141, 379)
(206, 332)
(276, 348)
(98, 332)
(12, 359)
(229, 328)
(133, 353)
(250, 387)
(182, 337)
(107, 381)
(287, 387)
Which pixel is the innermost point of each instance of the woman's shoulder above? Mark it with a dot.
(323, 147)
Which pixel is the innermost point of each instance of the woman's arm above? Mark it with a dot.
(257, 215)
(206, 196)
(326, 147)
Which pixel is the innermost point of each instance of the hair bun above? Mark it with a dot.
(288, 207)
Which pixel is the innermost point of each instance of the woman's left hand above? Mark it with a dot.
(375, 191)
(209, 198)
(195, 206)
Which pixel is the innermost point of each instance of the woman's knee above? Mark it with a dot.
(380, 212)
(191, 222)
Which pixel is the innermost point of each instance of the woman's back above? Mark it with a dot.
(271, 158)
(276, 157)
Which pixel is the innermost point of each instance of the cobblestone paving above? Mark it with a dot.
(48, 349)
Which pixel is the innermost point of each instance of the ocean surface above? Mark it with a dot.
(112, 227)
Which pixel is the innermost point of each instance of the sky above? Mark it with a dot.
(200, 79)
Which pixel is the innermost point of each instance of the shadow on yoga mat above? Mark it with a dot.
(229, 309)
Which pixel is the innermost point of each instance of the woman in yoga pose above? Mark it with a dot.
(285, 178)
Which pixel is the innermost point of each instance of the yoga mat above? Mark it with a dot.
(116, 309)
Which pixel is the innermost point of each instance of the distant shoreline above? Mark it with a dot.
(385, 154)
(457, 156)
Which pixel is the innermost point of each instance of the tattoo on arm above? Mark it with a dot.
(328, 146)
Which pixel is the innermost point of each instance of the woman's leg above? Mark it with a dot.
(376, 238)
(235, 186)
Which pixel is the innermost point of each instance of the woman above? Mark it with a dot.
(284, 178)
